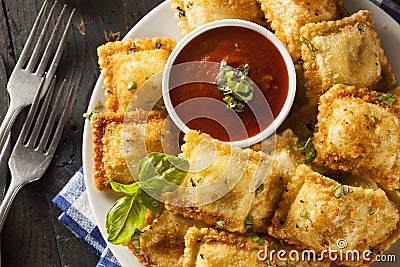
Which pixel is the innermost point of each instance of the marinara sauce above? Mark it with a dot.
(237, 46)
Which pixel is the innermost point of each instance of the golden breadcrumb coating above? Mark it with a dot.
(285, 160)
(287, 17)
(122, 62)
(360, 134)
(313, 216)
(346, 51)
(194, 13)
(143, 133)
(163, 243)
(212, 248)
(223, 176)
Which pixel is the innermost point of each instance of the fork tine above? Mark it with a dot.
(65, 114)
(25, 52)
(36, 51)
(42, 114)
(52, 118)
(31, 114)
(51, 44)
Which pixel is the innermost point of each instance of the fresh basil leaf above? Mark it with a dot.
(151, 203)
(125, 216)
(162, 173)
(125, 188)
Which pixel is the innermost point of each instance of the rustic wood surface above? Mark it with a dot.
(32, 235)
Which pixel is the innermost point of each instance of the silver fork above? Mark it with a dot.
(36, 143)
(32, 66)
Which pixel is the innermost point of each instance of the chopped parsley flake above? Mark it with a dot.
(303, 213)
(307, 147)
(132, 85)
(99, 105)
(375, 118)
(250, 232)
(260, 189)
(136, 240)
(340, 190)
(221, 223)
(236, 86)
(308, 44)
(386, 98)
(155, 104)
(88, 115)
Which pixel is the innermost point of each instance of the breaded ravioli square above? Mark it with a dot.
(118, 140)
(194, 13)
(287, 17)
(346, 51)
(358, 131)
(162, 243)
(212, 248)
(282, 148)
(317, 211)
(220, 186)
(126, 65)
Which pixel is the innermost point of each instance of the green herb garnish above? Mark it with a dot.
(307, 147)
(157, 173)
(340, 190)
(155, 104)
(260, 189)
(221, 223)
(386, 98)
(308, 44)
(88, 115)
(236, 86)
(132, 85)
(250, 231)
(374, 118)
(136, 240)
(303, 213)
(99, 105)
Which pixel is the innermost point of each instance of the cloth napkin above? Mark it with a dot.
(78, 217)
(74, 203)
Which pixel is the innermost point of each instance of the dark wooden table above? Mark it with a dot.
(32, 235)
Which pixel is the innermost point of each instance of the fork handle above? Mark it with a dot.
(9, 119)
(7, 201)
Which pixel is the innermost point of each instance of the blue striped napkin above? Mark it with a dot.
(78, 217)
(73, 201)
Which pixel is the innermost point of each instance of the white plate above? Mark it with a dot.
(160, 22)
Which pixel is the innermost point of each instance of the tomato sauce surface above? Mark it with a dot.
(237, 46)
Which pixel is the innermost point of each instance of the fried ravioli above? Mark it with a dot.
(287, 17)
(126, 65)
(358, 133)
(221, 183)
(212, 248)
(346, 51)
(163, 243)
(194, 13)
(143, 133)
(286, 159)
(317, 211)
